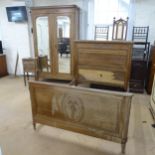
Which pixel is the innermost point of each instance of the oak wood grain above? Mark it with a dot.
(93, 112)
(104, 62)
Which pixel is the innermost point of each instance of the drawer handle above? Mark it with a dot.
(101, 75)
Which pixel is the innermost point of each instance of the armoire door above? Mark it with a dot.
(62, 45)
(42, 45)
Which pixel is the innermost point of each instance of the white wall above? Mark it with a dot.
(145, 15)
(14, 37)
(83, 4)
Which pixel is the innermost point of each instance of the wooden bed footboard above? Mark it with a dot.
(98, 113)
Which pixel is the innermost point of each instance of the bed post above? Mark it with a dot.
(123, 146)
(34, 125)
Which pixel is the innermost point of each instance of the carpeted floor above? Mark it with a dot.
(17, 136)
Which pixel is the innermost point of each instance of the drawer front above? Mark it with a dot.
(99, 76)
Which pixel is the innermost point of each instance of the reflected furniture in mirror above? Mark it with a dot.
(43, 64)
(30, 68)
(120, 29)
(64, 46)
(103, 62)
(101, 32)
(3, 65)
(54, 30)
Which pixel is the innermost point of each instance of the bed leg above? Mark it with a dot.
(123, 147)
(34, 125)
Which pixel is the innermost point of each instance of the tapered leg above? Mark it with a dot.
(34, 125)
(24, 79)
(123, 147)
(37, 75)
(27, 75)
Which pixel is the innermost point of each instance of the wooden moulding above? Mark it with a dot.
(98, 113)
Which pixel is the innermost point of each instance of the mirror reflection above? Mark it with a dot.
(63, 37)
(43, 43)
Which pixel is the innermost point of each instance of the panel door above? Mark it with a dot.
(42, 44)
(62, 42)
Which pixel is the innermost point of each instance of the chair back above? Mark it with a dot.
(141, 44)
(120, 28)
(101, 32)
(140, 33)
(43, 63)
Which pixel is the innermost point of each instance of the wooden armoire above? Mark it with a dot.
(54, 30)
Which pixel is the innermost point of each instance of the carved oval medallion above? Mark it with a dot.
(73, 108)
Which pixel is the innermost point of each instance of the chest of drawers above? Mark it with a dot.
(3, 66)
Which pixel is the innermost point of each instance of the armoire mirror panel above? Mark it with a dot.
(55, 29)
(63, 37)
(43, 48)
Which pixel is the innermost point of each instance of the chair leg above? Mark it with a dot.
(24, 78)
(123, 147)
(34, 125)
(27, 75)
(36, 76)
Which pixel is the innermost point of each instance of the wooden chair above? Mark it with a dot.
(101, 32)
(120, 28)
(43, 63)
(29, 66)
(141, 44)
